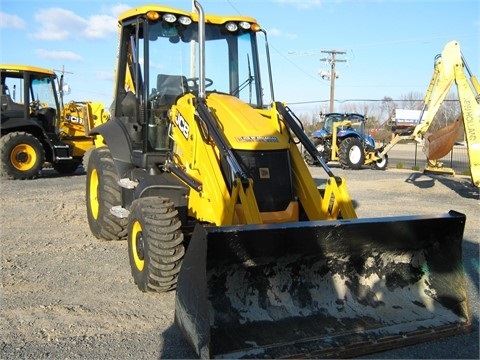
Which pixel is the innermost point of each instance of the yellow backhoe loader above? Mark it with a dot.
(201, 171)
(36, 127)
(450, 67)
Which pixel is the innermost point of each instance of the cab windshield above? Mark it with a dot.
(231, 60)
(43, 90)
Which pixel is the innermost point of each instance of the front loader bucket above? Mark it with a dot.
(322, 289)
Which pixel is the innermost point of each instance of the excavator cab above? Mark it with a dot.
(201, 171)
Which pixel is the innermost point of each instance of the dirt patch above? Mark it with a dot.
(66, 294)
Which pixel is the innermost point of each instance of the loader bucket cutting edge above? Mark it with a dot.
(327, 288)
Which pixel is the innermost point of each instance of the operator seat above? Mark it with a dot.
(7, 104)
(46, 117)
(169, 88)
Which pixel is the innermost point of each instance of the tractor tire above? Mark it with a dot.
(102, 193)
(86, 157)
(351, 153)
(155, 244)
(381, 164)
(22, 156)
(309, 160)
(66, 167)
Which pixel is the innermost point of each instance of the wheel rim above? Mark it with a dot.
(23, 157)
(137, 248)
(381, 163)
(355, 154)
(93, 194)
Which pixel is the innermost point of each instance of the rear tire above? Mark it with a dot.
(102, 193)
(22, 156)
(351, 153)
(155, 244)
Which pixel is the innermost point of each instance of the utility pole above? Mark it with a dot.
(60, 84)
(332, 60)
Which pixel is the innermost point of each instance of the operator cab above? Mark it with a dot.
(28, 94)
(158, 63)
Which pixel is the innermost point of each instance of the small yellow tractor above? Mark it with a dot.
(37, 128)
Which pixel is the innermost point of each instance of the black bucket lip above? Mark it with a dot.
(325, 350)
(339, 222)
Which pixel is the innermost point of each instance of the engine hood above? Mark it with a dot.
(245, 127)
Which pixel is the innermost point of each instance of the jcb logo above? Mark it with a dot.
(182, 125)
(74, 119)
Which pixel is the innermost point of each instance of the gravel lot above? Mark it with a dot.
(67, 295)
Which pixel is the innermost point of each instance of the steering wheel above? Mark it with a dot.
(194, 81)
(35, 106)
(153, 95)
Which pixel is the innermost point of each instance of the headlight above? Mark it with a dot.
(185, 20)
(231, 26)
(244, 25)
(170, 18)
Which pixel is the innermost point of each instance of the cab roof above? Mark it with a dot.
(26, 68)
(209, 18)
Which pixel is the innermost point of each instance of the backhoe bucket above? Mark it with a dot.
(441, 142)
(322, 289)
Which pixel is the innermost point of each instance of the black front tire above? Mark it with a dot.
(155, 244)
(102, 193)
(22, 156)
(351, 153)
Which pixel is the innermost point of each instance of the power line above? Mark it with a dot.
(359, 100)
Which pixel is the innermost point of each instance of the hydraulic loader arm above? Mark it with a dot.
(450, 68)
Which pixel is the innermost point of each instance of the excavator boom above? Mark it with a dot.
(450, 69)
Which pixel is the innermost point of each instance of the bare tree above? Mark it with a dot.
(387, 107)
(413, 101)
(448, 112)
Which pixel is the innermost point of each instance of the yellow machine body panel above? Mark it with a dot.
(245, 127)
(160, 10)
(76, 120)
(22, 68)
(248, 130)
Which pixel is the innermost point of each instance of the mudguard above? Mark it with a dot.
(116, 136)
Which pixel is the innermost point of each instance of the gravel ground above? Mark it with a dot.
(68, 295)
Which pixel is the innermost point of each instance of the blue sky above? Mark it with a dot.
(390, 45)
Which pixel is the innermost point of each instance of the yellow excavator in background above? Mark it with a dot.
(450, 67)
(212, 193)
(37, 128)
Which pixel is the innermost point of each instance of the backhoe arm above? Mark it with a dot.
(450, 68)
